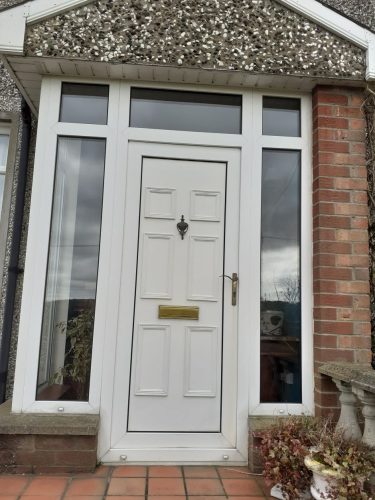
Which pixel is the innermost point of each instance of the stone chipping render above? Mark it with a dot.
(362, 11)
(257, 36)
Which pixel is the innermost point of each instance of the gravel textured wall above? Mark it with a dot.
(254, 35)
(362, 11)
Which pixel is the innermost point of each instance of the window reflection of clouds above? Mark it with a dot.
(280, 219)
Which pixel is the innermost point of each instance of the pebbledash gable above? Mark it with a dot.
(255, 36)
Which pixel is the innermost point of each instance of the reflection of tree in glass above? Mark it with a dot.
(290, 289)
(77, 362)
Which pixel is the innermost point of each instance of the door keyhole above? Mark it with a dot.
(182, 227)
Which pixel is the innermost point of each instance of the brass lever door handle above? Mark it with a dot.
(234, 280)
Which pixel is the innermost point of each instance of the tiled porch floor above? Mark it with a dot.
(137, 482)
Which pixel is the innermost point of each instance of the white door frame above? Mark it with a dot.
(177, 446)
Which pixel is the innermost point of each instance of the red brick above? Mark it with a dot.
(324, 235)
(320, 286)
(334, 146)
(350, 209)
(332, 98)
(327, 355)
(358, 147)
(356, 124)
(361, 274)
(323, 183)
(323, 208)
(326, 399)
(361, 248)
(333, 222)
(338, 328)
(327, 341)
(328, 122)
(353, 287)
(350, 184)
(333, 170)
(333, 300)
(362, 356)
(359, 222)
(336, 247)
(324, 384)
(329, 313)
(351, 235)
(332, 195)
(356, 99)
(352, 260)
(363, 330)
(359, 172)
(353, 342)
(333, 273)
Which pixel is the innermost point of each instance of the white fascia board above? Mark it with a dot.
(13, 25)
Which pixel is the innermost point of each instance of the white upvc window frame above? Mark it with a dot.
(4, 130)
(118, 133)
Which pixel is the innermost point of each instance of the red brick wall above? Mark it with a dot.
(341, 259)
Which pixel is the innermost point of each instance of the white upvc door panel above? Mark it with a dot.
(176, 379)
(176, 364)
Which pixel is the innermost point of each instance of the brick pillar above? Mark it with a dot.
(341, 255)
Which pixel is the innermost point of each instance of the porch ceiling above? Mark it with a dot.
(29, 71)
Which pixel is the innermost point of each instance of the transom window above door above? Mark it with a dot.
(190, 111)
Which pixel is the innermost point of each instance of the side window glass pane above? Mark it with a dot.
(69, 304)
(193, 111)
(280, 306)
(84, 103)
(4, 145)
(281, 116)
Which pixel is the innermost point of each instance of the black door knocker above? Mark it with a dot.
(182, 227)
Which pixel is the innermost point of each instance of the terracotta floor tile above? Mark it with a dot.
(102, 471)
(241, 487)
(234, 472)
(165, 486)
(87, 486)
(39, 497)
(123, 497)
(204, 487)
(247, 498)
(129, 471)
(12, 485)
(127, 486)
(164, 471)
(207, 497)
(82, 497)
(164, 497)
(202, 472)
(46, 486)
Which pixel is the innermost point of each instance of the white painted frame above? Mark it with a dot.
(232, 441)
(118, 135)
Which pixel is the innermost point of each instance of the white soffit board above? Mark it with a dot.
(13, 24)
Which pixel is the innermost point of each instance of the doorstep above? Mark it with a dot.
(51, 443)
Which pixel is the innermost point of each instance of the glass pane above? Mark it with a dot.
(69, 304)
(84, 103)
(194, 111)
(281, 116)
(4, 142)
(280, 305)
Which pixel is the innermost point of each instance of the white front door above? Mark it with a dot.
(181, 235)
(176, 363)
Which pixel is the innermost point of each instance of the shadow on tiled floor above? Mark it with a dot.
(130, 482)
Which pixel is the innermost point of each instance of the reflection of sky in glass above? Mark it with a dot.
(280, 259)
(175, 110)
(4, 141)
(76, 221)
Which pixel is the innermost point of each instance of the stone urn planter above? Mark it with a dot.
(276, 492)
(324, 478)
